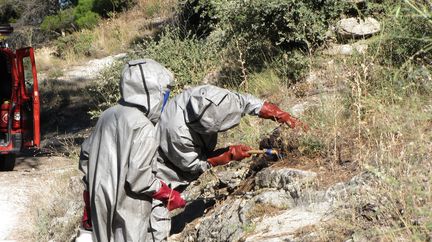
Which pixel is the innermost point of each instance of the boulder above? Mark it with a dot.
(357, 27)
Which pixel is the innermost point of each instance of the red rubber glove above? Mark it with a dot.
(234, 152)
(271, 111)
(86, 218)
(170, 197)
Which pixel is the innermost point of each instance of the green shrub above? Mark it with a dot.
(406, 36)
(189, 58)
(84, 17)
(403, 52)
(61, 21)
(104, 7)
(105, 90)
(290, 66)
(79, 43)
(287, 23)
(9, 11)
(87, 20)
(262, 30)
(70, 19)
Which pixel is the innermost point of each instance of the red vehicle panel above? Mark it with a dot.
(20, 105)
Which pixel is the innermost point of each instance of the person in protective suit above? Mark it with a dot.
(118, 159)
(188, 136)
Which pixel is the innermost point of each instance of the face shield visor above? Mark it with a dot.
(165, 98)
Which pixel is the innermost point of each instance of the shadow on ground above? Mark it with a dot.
(192, 211)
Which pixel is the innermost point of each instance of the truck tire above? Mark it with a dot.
(7, 162)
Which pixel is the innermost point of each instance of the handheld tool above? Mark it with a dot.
(269, 152)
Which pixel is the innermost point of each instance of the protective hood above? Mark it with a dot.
(210, 109)
(144, 83)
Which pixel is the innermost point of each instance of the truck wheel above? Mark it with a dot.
(7, 162)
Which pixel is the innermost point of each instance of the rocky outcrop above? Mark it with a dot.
(271, 211)
(283, 178)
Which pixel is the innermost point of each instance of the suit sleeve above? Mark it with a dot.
(250, 104)
(183, 152)
(140, 175)
(83, 161)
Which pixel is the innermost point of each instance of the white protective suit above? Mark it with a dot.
(188, 129)
(118, 159)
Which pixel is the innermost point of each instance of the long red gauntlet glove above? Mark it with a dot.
(171, 198)
(271, 111)
(86, 218)
(234, 152)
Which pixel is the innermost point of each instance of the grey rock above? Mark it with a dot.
(298, 109)
(346, 49)
(357, 27)
(275, 198)
(232, 177)
(283, 226)
(283, 178)
(226, 223)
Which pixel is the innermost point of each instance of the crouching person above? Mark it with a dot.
(118, 158)
(189, 129)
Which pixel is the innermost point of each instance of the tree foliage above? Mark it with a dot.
(286, 23)
(63, 20)
(104, 7)
(9, 12)
(82, 14)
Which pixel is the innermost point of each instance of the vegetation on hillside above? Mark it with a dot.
(377, 103)
(383, 113)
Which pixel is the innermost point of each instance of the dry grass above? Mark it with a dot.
(353, 130)
(58, 208)
(261, 210)
(118, 33)
(112, 36)
(391, 140)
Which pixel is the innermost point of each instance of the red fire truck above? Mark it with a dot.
(19, 99)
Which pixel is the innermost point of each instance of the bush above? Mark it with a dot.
(59, 22)
(104, 7)
(284, 23)
(406, 35)
(403, 52)
(262, 30)
(290, 66)
(87, 20)
(79, 43)
(105, 90)
(190, 58)
(9, 12)
(84, 17)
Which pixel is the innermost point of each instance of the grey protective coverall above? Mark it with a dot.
(118, 159)
(188, 129)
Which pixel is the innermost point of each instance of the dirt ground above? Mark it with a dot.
(18, 187)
